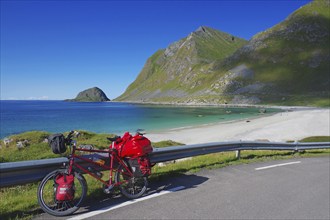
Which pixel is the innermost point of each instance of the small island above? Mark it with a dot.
(94, 94)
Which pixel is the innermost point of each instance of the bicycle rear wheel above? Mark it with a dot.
(47, 198)
(130, 186)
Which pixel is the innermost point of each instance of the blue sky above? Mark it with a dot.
(55, 49)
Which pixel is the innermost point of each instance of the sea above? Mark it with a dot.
(111, 117)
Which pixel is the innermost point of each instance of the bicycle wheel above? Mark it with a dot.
(47, 198)
(130, 186)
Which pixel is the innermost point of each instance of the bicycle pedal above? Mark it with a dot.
(108, 190)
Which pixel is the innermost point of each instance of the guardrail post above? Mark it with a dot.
(238, 154)
(296, 147)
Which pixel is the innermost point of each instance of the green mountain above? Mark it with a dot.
(177, 71)
(90, 95)
(286, 64)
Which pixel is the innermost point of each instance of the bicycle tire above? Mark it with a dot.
(130, 186)
(46, 195)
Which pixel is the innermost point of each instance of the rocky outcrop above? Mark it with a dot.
(90, 95)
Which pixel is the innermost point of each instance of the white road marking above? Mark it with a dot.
(109, 208)
(277, 165)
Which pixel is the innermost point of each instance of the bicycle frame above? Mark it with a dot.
(112, 154)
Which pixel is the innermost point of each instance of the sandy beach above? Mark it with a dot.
(284, 126)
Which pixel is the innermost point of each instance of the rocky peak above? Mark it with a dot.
(200, 30)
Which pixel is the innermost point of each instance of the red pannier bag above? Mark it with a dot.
(133, 146)
(141, 166)
(135, 149)
(64, 187)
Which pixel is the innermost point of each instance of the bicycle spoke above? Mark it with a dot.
(130, 186)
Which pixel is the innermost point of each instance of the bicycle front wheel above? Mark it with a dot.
(47, 194)
(130, 186)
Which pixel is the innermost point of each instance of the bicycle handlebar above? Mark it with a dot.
(68, 138)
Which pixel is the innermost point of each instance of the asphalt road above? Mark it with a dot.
(297, 189)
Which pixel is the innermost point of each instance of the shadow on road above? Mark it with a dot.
(186, 180)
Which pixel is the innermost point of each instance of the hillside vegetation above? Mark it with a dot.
(288, 64)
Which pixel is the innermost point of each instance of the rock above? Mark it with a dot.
(241, 71)
(90, 95)
(19, 145)
(76, 134)
(7, 141)
(22, 144)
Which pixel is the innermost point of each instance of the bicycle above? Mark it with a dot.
(62, 191)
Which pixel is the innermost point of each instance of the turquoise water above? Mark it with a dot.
(108, 117)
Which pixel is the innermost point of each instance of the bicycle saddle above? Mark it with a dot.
(113, 138)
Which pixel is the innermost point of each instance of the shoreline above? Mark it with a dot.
(279, 127)
(221, 105)
(292, 123)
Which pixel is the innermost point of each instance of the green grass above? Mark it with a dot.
(34, 150)
(316, 139)
(167, 143)
(298, 100)
(38, 149)
(20, 202)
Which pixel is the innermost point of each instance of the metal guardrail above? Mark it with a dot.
(17, 173)
(178, 152)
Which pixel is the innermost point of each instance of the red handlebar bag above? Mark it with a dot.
(65, 187)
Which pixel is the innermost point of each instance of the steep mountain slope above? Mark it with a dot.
(286, 64)
(176, 71)
(90, 95)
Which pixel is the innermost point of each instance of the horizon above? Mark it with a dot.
(55, 49)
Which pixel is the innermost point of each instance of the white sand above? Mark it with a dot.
(280, 127)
